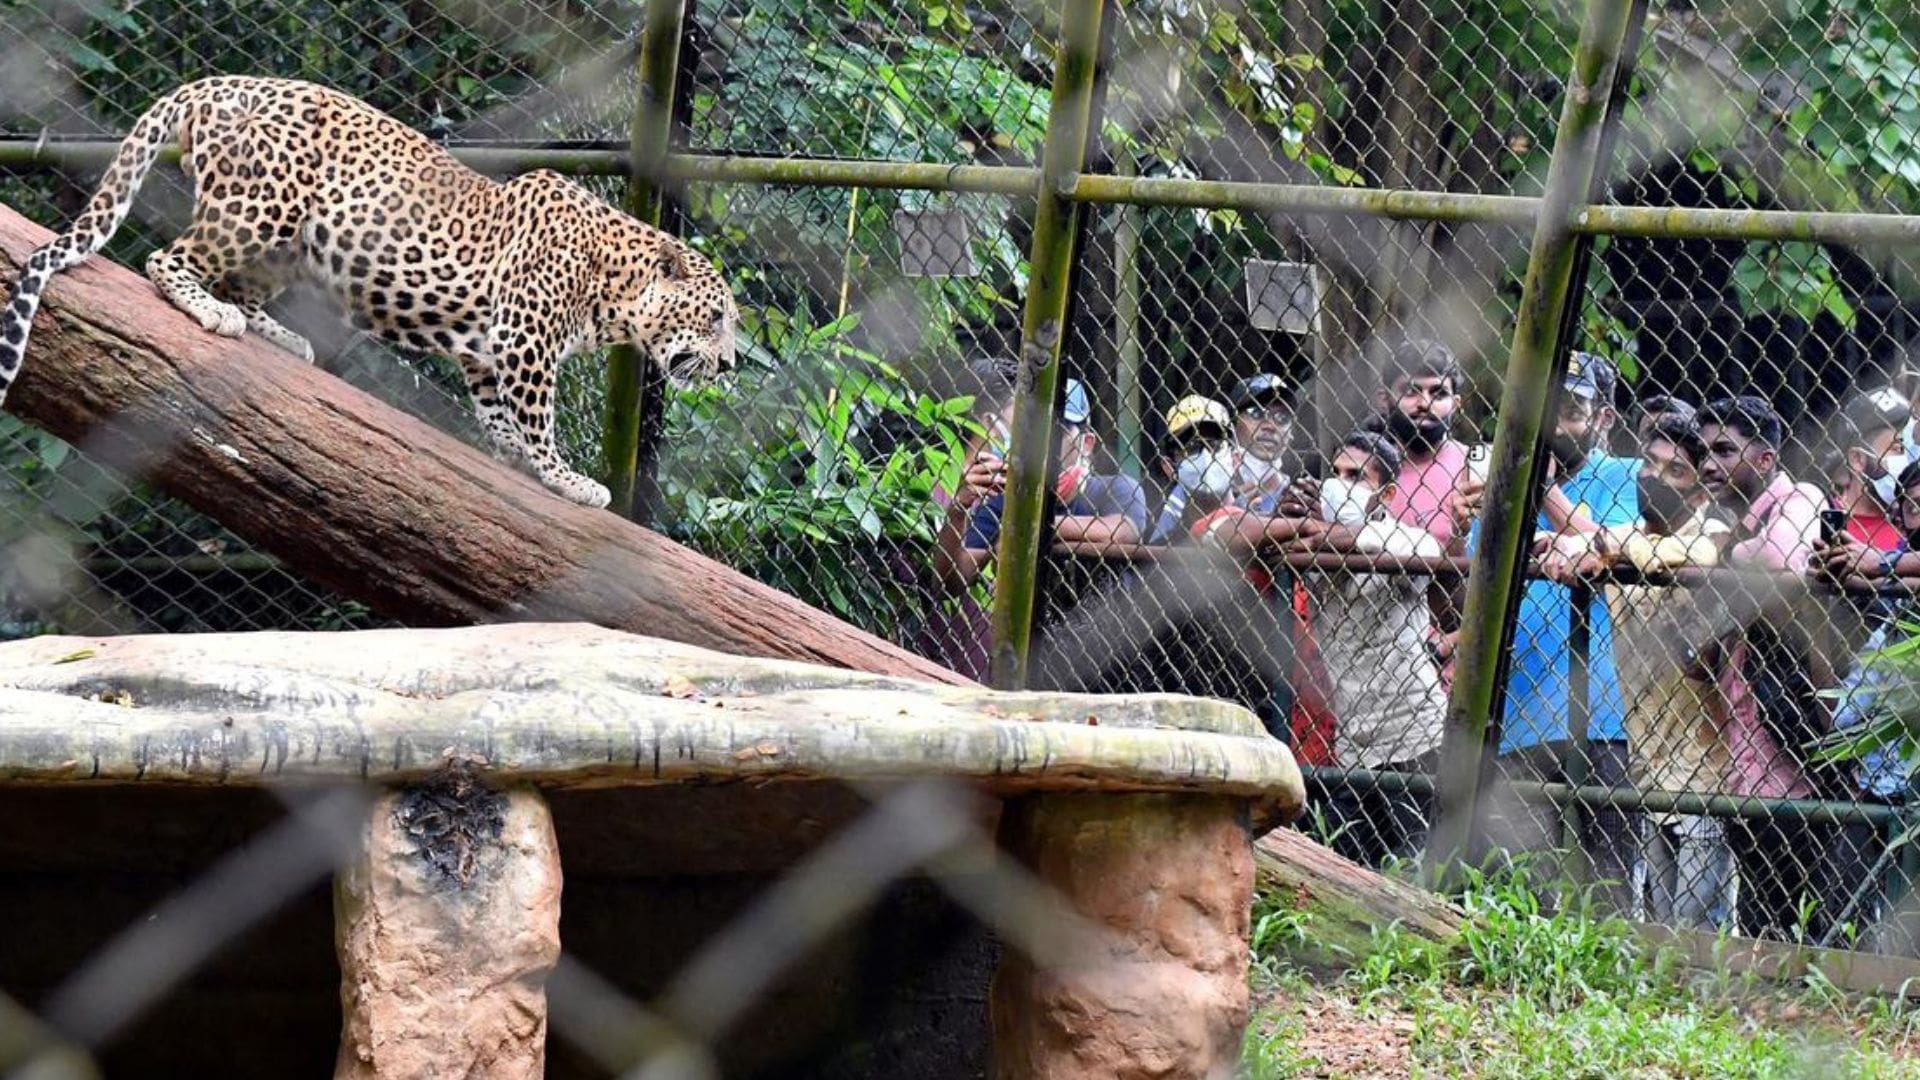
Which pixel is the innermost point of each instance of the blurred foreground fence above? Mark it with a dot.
(1037, 231)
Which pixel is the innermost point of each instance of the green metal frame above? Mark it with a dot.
(1042, 329)
(658, 71)
(1670, 222)
(1493, 582)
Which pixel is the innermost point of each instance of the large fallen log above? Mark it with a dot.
(1342, 903)
(370, 501)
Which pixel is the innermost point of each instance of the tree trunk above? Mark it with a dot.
(370, 501)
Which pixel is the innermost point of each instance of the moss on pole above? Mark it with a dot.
(659, 67)
(1506, 522)
(1042, 329)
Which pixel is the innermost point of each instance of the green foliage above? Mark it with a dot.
(1793, 276)
(1859, 116)
(815, 468)
(433, 65)
(1891, 705)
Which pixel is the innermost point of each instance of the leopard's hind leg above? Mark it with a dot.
(238, 222)
(252, 287)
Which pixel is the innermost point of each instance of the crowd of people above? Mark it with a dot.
(1724, 683)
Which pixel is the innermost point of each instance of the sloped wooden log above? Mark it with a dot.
(368, 500)
(1344, 902)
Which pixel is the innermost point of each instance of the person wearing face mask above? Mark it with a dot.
(1859, 871)
(1597, 490)
(1214, 611)
(1675, 717)
(1372, 631)
(1869, 434)
(1090, 508)
(1263, 426)
(1199, 463)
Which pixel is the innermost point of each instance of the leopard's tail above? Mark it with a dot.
(90, 231)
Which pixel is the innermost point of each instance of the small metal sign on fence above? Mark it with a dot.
(1283, 296)
(934, 243)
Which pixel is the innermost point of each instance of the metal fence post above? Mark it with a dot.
(1506, 519)
(1042, 330)
(1577, 767)
(648, 136)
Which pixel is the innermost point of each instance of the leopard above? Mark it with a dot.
(298, 183)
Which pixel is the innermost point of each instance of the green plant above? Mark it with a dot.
(815, 470)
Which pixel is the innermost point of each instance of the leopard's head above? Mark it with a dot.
(685, 317)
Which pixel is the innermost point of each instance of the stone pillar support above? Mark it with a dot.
(1163, 992)
(447, 926)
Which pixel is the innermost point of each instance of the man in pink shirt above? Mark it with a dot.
(1419, 394)
(1770, 691)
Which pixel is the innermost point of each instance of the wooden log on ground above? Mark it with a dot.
(1344, 902)
(367, 500)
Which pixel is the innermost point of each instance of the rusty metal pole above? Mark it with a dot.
(1042, 330)
(1507, 519)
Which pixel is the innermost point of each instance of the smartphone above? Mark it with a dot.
(1832, 524)
(1479, 460)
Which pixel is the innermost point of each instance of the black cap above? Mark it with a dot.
(1591, 376)
(1265, 388)
(1882, 409)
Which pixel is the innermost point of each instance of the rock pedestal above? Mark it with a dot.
(1162, 992)
(681, 766)
(447, 926)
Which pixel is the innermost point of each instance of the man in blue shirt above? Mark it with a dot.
(1535, 738)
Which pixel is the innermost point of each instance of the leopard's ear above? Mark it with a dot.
(674, 264)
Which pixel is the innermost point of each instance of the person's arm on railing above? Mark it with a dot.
(1247, 535)
(1097, 529)
(1119, 506)
(1854, 565)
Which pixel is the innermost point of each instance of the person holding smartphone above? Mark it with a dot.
(1865, 537)
(1090, 507)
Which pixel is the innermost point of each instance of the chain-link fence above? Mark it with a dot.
(1302, 242)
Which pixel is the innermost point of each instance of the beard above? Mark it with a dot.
(1420, 435)
(1571, 453)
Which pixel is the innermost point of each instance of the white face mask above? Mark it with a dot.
(1345, 502)
(1207, 472)
(1886, 486)
(1256, 470)
(1912, 438)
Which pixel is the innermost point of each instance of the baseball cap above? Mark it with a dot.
(1194, 410)
(1879, 409)
(1074, 407)
(1265, 387)
(1591, 377)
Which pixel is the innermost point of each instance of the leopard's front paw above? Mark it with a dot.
(223, 319)
(576, 488)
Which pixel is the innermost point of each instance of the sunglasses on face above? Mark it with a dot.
(1258, 411)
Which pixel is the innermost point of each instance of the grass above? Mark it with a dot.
(1541, 986)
